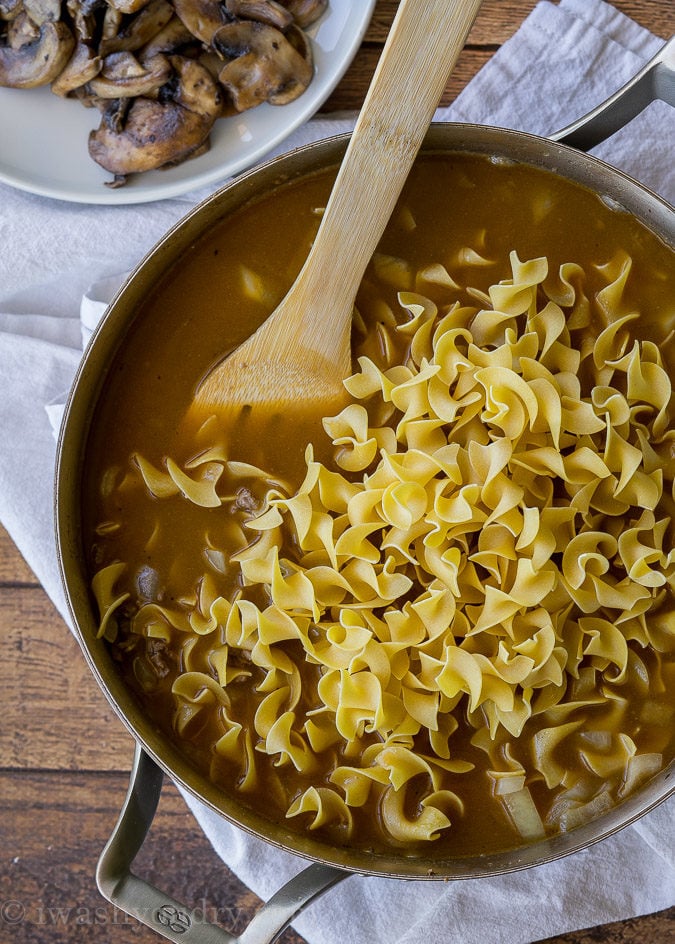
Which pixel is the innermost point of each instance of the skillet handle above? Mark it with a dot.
(655, 80)
(162, 913)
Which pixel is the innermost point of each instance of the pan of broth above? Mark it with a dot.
(432, 636)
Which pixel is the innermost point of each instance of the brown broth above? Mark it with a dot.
(198, 313)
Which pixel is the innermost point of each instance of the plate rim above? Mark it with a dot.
(151, 192)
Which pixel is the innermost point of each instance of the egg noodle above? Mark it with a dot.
(490, 551)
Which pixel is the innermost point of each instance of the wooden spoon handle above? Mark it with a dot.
(423, 45)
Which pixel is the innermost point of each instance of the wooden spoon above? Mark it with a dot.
(301, 353)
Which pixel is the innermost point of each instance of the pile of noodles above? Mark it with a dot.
(493, 544)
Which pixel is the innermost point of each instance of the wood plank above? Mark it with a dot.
(654, 15)
(55, 716)
(651, 929)
(54, 829)
(497, 20)
(14, 570)
(55, 826)
(351, 92)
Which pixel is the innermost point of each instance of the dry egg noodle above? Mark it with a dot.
(448, 626)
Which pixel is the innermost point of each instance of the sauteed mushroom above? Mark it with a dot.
(123, 76)
(160, 71)
(82, 66)
(114, 112)
(10, 9)
(38, 62)
(140, 30)
(21, 31)
(42, 11)
(161, 131)
(306, 12)
(202, 17)
(112, 25)
(172, 38)
(128, 6)
(82, 15)
(263, 66)
(264, 11)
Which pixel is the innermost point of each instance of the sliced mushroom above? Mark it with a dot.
(39, 62)
(123, 76)
(43, 11)
(88, 6)
(264, 11)
(264, 66)
(128, 6)
(9, 9)
(159, 132)
(114, 112)
(82, 66)
(172, 38)
(140, 30)
(305, 12)
(197, 91)
(202, 17)
(21, 31)
(159, 71)
(83, 18)
(85, 97)
(111, 26)
(299, 40)
(212, 61)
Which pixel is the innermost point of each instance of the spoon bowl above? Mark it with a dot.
(301, 354)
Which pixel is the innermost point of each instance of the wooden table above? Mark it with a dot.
(65, 756)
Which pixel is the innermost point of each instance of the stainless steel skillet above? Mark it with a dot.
(154, 756)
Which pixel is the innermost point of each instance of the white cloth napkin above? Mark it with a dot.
(60, 264)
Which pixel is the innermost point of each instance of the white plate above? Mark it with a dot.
(43, 146)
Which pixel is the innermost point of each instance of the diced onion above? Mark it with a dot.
(524, 815)
(577, 815)
(507, 781)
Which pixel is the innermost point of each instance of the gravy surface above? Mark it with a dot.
(467, 215)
